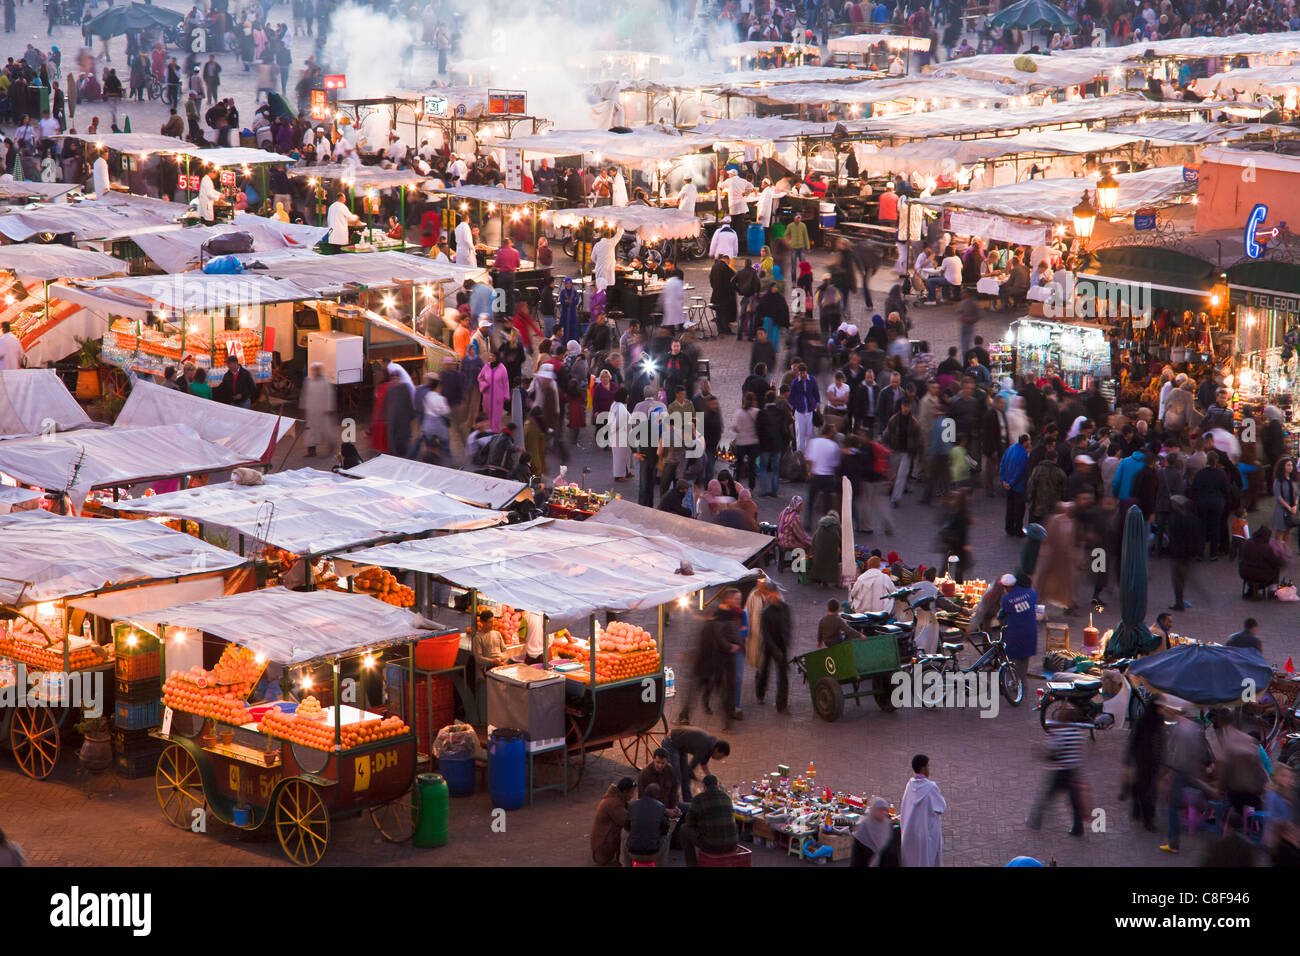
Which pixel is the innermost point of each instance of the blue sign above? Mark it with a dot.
(1191, 174)
(1256, 237)
(1144, 220)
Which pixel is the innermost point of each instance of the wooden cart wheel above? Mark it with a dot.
(302, 822)
(639, 749)
(115, 383)
(395, 820)
(34, 739)
(179, 785)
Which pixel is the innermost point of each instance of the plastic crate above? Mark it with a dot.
(133, 742)
(138, 667)
(134, 766)
(137, 691)
(137, 716)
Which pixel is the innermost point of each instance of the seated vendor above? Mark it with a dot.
(489, 645)
(831, 629)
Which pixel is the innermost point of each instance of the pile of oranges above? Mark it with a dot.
(622, 651)
(312, 733)
(383, 585)
(41, 657)
(238, 665)
(368, 731)
(195, 692)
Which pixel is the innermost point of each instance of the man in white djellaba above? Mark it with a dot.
(921, 817)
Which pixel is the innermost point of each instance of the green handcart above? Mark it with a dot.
(864, 664)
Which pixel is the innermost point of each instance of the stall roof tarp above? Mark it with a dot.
(496, 194)
(918, 89)
(81, 460)
(1195, 134)
(34, 400)
(136, 296)
(734, 79)
(321, 275)
(566, 570)
(247, 433)
(463, 102)
(111, 217)
(136, 144)
(1053, 199)
(1073, 141)
(643, 144)
(866, 42)
(968, 122)
(296, 627)
(52, 261)
(484, 490)
(11, 189)
(757, 131)
(717, 539)
(48, 557)
(648, 222)
(178, 250)
(1053, 72)
(373, 177)
(224, 156)
(934, 156)
(307, 511)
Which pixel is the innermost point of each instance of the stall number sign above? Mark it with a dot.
(367, 765)
(435, 106)
(190, 183)
(320, 108)
(227, 177)
(253, 786)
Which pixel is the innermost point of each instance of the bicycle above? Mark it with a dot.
(993, 660)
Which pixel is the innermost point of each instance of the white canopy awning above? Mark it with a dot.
(482, 490)
(179, 250)
(136, 144)
(53, 261)
(319, 275)
(34, 401)
(759, 131)
(1054, 72)
(48, 557)
(112, 217)
(11, 190)
(366, 177)
(643, 144)
(917, 90)
(496, 194)
(225, 156)
(307, 511)
(1053, 199)
(296, 627)
(739, 546)
(1174, 132)
(648, 222)
(249, 434)
(866, 42)
(567, 570)
(89, 458)
(136, 296)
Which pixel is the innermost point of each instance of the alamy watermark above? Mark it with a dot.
(652, 430)
(22, 688)
(1097, 300)
(940, 688)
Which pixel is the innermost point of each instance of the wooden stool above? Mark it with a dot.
(1058, 637)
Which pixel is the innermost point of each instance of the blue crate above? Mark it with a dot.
(130, 716)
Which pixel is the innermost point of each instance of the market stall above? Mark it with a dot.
(50, 330)
(58, 660)
(91, 466)
(1264, 306)
(1077, 353)
(106, 224)
(300, 518)
(250, 434)
(875, 49)
(383, 192)
(518, 215)
(281, 708)
(185, 249)
(547, 580)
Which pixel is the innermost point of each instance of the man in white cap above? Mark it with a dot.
(724, 242)
(736, 190)
(686, 198)
(396, 152)
(465, 254)
(603, 259)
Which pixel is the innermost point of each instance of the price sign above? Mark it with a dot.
(227, 177)
(320, 108)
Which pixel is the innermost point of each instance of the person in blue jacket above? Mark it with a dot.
(1020, 614)
(1014, 470)
(1121, 486)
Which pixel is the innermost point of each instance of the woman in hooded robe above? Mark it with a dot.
(825, 567)
(875, 837)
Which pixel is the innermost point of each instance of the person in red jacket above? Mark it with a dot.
(430, 230)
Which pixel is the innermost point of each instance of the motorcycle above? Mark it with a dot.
(1083, 692)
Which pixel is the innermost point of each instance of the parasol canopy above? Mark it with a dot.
(1030, 15)
(125, 18)
(1206, 673)
(1131, 635)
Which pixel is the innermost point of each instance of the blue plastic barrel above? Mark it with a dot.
(458, 771)
(827, 215)
(507, 769)
(754, 238)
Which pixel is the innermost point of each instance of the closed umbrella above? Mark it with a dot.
(124, 18)
(848, 554)
(1206, 674)
(1131, 635)
(1030, 15)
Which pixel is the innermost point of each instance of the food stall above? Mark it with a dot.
(50, 330)
(33, 401)
(518, 215)
(106, 224)
(278, 710)
(300, 519)
(657, 231)
(243, 431)
(549, 579)
(183, 250)
(875, 49)
(92, 466)
(383, 193)
(1265, 308)
(58, 659)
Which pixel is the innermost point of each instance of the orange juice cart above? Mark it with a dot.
(295, 724)
(58, 661)
(560, 575)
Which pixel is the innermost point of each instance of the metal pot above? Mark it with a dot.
(96, 753)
